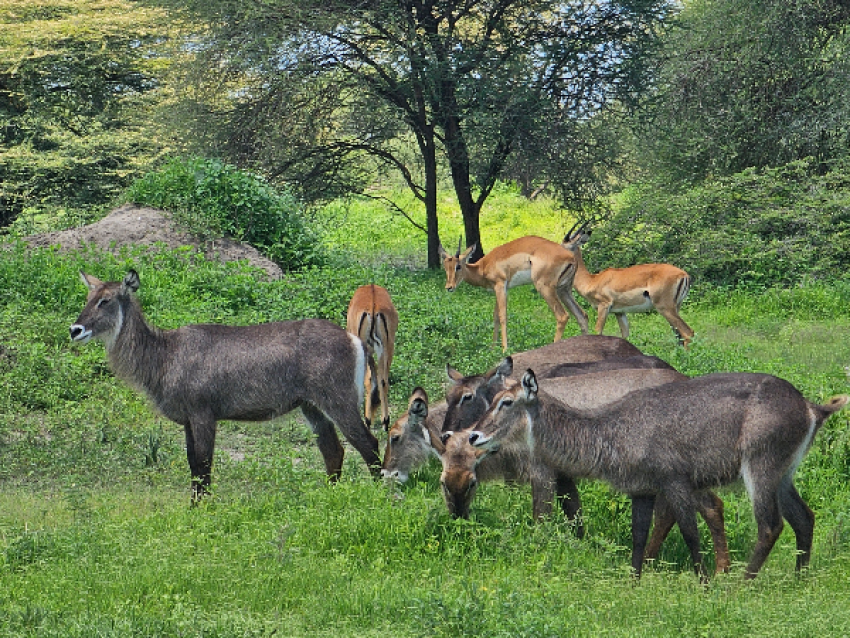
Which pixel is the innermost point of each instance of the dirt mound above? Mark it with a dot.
(135, 225)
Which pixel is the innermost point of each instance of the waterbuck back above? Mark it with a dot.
(199, 374)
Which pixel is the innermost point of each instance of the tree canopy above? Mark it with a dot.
(316, 92)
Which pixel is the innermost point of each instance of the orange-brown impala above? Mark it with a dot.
(634, 289)
(373, 317)
(528, 260)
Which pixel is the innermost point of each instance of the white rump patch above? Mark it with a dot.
(359, 366)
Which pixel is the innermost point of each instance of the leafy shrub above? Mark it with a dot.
(212, 199)
(755, 229)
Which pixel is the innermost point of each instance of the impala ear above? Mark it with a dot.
(445, 436)
(467, 253)
(529, 385)
(131, 282)
(90, 281)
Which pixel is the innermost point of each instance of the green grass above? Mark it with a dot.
(97, 539)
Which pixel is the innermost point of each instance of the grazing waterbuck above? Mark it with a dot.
(409, 445)
(199, 374)
(676, 440)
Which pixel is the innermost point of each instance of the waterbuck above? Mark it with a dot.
(199, 374)
(676, 440)
(409, 445)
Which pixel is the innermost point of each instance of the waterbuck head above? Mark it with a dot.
(409, 441)
(455, 265)
(460, 458)
(105, 309)
(508, 420)
(467, 398)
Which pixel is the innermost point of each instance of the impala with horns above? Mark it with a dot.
(374, 319)
(674, 441)
(634, 289)
(527, 260)
(199, 374)
(410, 444)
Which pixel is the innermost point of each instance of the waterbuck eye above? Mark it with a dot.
(103, 301)
(466, 397)
(505, 403)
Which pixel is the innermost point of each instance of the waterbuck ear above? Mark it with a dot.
(529, 384)
(131, 282)
(504, 369)
(417, 411)
(453, 374)
(479, 439)
(90, 281)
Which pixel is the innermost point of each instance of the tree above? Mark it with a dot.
(76, 78)
(750, 83)
(466, 79)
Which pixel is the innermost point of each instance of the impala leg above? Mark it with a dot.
(384, 381)
(602, 316)
(623, 322)
(500, 313)
(200, 444)
(554, 303)
(802, 521)
(565, 294)
(368, 408)
(642, 507)
(683, 331)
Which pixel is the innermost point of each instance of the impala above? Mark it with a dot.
(674, 441)
(634, 289)
(374, 319)
(199, 374)
(546, 264)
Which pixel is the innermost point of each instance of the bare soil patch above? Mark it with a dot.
(142, 226)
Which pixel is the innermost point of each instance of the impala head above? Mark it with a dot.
(576, 236)
(408, 440)
(455, 265)
(467, 398)
(103, 315)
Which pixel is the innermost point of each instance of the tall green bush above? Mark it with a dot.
(212, 199)
(757, 228)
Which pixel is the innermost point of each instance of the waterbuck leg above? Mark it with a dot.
(802, 521)
(327, 440)
(711, 508)
(642, 507)
(542, 490)
(664, 521)
(769, 521)
(567, 494)
(681, 500)
(346, 416)
(200, 442)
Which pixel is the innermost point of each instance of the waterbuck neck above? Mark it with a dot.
(138, 353)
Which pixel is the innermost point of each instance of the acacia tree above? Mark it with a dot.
(466, 79)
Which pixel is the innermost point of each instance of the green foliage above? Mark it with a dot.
(746, 84)
(80, 80)
(94, 486)
(212, 199)
(762, 228)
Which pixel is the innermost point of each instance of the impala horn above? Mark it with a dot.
(459, 244)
